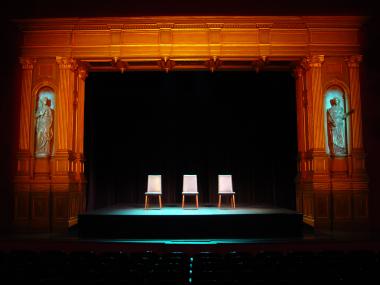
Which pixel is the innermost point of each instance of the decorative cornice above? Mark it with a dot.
(165, 25)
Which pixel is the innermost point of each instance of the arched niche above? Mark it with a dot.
(336, 123)
(44, 121)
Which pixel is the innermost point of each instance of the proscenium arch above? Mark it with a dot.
(330, 45)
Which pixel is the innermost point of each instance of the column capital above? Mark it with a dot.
(315, 61)
(299, 71)
(27, 62)
(65, 62)
(83, 70)
(354, 61)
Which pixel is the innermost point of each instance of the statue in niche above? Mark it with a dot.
(44, 130)
(336, 128)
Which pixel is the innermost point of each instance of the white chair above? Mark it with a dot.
(154, 189)
(225, 188)
(190, 187)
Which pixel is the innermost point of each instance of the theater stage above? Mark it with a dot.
(174, 222)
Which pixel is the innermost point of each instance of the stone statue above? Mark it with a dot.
(336, 128)
(44, 130)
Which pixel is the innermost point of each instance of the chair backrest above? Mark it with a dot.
(154, 184)
(225, 184)
(190, 184)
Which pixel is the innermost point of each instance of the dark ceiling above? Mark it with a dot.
(91, 8)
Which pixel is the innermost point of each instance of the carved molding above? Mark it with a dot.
(201, 21)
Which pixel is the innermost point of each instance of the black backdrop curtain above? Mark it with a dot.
(203, 123)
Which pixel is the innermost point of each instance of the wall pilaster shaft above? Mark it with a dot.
(353, 63)
(65, 103)
(82, 75)
(26, 103)
(301, 102)
(316, 96)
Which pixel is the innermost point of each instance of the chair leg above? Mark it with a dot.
(159, 200)
(219, 201)
(183, 201)
(146, 201)
(196, 200)
(233, 201)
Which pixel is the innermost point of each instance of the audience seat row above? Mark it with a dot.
(58, 267)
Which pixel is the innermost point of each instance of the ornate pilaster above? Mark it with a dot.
(302, 132)
(313, 184)
(329, 194)
(317, 158)
(25, 147)
(21, 196)
(356, 134)
(353, 63)
(65, 101)
(66, 190)
(317, 143)
(301, 101)
(82, 73)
